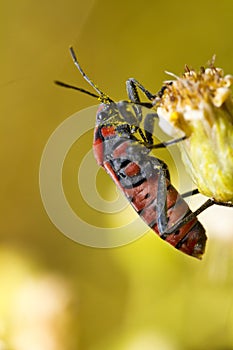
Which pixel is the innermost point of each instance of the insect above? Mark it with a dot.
(123, 140)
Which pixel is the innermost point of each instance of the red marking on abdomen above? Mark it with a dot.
(98, 148)
(120, 150)
(132, 169)
(142, 195)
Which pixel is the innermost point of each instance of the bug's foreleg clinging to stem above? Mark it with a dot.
(132, 85)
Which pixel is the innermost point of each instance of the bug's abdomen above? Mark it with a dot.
(137, 175)
(189, 238)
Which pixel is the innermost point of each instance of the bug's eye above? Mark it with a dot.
(101, 116)
(103, 113)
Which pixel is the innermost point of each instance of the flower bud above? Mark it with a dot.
(199, 105)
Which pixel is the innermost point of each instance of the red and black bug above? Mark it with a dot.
(123, 140)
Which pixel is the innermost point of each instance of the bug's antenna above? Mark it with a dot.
(60, 83)
(102, 96)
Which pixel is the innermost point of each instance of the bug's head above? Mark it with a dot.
(106, 112)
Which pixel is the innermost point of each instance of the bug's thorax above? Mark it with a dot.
(109, 114)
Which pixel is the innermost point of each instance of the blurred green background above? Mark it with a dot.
(58, 294)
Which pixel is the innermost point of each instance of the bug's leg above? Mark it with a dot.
(162, 202)
(189, 217)
(132, 119)
(135, 99)
(149, 128)
(162, 207)
(224, 204)
(190, 193)
(149, 122)
(166, 143)
(132, 85)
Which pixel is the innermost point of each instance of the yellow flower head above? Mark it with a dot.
(199, 105)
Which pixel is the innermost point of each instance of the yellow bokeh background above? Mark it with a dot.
(58, 294)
